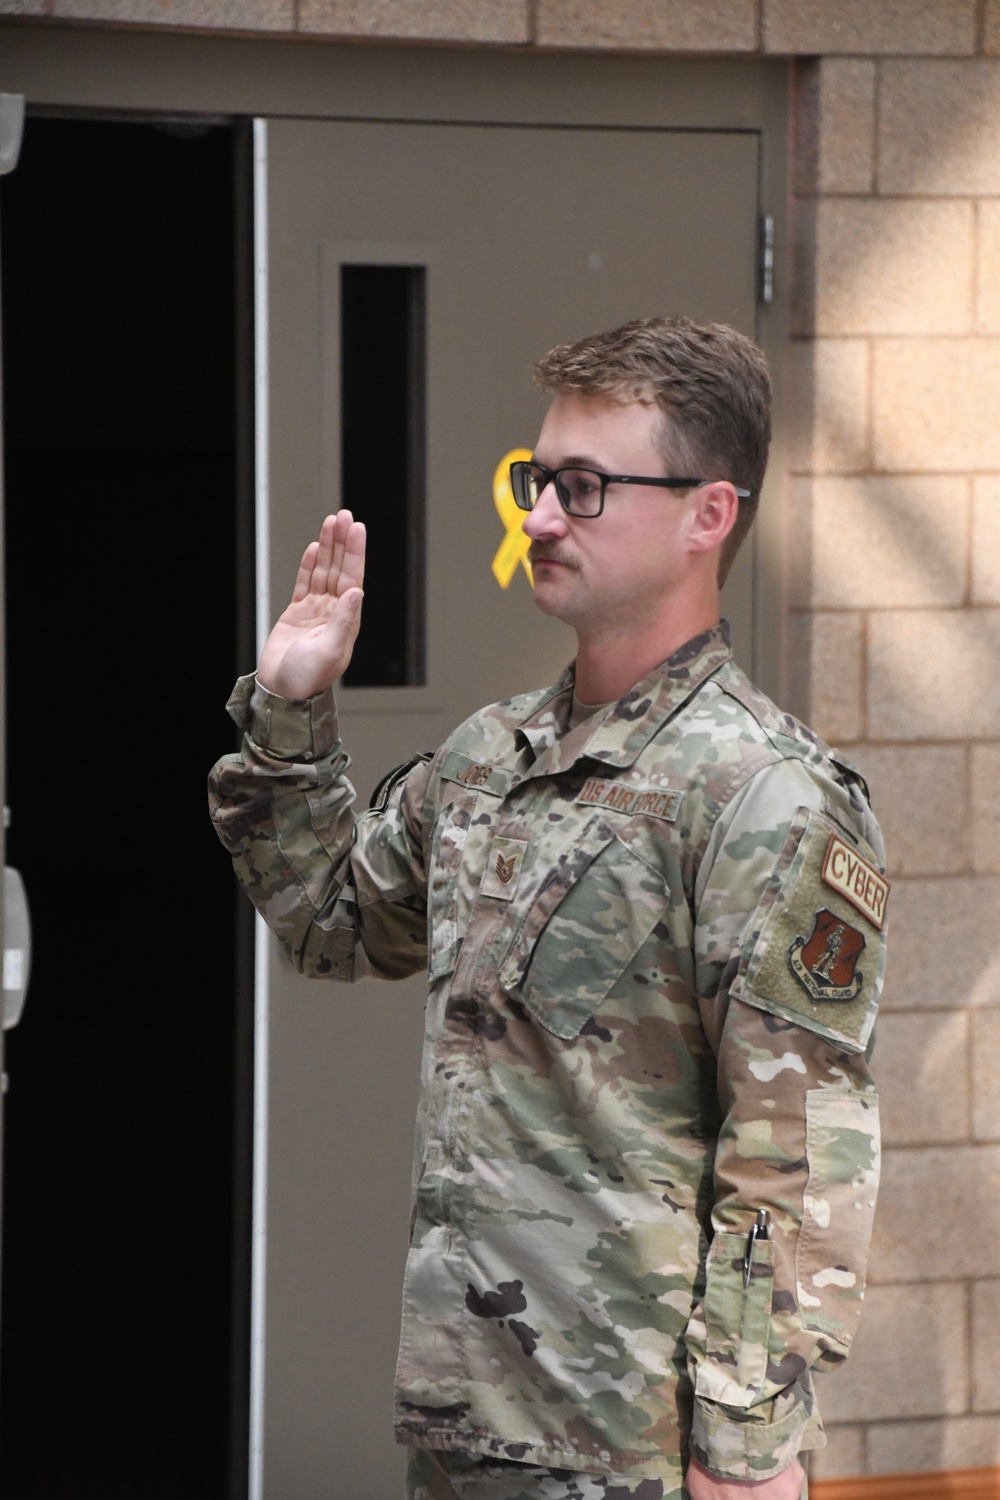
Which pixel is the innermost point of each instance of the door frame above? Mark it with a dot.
(132, 73)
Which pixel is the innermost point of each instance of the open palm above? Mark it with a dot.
(311, 644)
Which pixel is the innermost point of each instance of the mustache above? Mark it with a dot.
(537, 554)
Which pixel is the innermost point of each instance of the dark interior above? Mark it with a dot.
(382, 373)
(123, 1347)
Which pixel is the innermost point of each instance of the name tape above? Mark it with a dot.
(475, 775)
(856, 880)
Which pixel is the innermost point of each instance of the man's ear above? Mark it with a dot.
(713, 516)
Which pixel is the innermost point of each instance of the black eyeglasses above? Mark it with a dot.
(581, 491)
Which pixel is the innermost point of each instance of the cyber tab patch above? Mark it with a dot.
(648, 801)
(854, 878)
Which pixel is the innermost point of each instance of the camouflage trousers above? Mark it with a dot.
(434, 1475)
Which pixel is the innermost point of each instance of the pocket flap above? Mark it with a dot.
(596, 909)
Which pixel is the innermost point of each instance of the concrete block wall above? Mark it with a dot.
(893, 565)
(893, 586)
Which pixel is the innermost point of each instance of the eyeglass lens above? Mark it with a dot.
(579, 490)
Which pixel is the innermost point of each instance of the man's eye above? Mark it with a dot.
(583, 484)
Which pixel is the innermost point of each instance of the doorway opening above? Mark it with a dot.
(123, 1344)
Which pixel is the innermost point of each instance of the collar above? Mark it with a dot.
(616, 737)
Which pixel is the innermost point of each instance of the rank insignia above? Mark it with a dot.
(825, 962)
(503, 868)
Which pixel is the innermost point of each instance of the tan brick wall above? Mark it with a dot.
(894, 526)
(856, 30)
(893, 569)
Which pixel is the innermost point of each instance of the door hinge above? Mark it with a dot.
(765, 259)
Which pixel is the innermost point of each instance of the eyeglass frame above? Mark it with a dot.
(552, 477)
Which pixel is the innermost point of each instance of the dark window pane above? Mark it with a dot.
(382, 435)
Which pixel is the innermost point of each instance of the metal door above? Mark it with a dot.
(528, 236)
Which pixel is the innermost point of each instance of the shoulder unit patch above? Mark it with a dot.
(809, 956)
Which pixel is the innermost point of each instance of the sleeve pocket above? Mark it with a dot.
(842, 1149)
(582, 932)
(737, 1320)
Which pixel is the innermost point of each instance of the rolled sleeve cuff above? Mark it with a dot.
(285, 728)
(738, 1445)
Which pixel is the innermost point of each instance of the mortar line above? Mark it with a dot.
(970, 540)
(976, 232)
(956, 607)
(969, 1408)
(970, 867)
(876, 126)
(903, 1147)
(869, 437)
(970, 1080)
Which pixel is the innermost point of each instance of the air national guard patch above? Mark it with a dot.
(825, 963)
(817, 945)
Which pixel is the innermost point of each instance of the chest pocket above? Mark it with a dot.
(595, 909)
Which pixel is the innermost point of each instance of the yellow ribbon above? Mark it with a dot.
(514, 547)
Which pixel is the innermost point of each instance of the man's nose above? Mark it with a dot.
(547, 518)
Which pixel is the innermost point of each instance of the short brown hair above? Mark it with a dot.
(710, 382)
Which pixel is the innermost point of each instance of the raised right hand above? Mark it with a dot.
(311, 645)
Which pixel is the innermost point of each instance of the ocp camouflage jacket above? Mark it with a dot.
(655, 948)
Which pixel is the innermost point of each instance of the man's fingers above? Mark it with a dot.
(339, 581)
(303, 578)
(351, 603)
(352, 574)
(343, 521)
(325, 551)
(337, 640)
(335, 563)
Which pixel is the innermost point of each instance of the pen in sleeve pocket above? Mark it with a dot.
(758, 1231)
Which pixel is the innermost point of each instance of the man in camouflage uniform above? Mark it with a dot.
(648, 1139)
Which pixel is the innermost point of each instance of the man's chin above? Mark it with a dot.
(552, 600)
